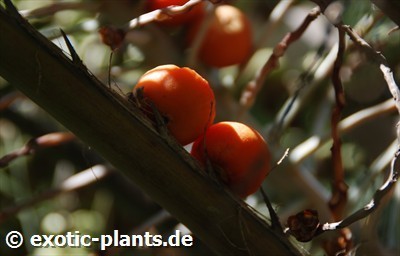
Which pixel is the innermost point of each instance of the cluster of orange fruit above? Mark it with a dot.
(237, 152)
(228, 38)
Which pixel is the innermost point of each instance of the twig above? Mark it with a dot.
(299, 224)
(395, 91)
(45, 141)
(393, 30)
(253, 87)
(376, 168)
(283, 157)
(162, 14)
(339, 197)
(395, 165)
(275, 223)
(274, 19)
(286, 154)
(339, 193)
(374, 203)
(322, 70)
(381, 60)
(366, 114)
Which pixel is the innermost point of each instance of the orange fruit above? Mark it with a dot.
(238, 153)
(183, 97)
(228, 40)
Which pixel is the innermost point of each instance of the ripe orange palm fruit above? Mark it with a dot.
(228, 40)
(183, 97)
(238, 152)
(178, 19)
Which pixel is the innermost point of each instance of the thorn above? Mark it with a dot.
(275, 223)
(75, 57)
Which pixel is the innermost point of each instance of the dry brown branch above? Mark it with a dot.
(380, 60)
(378, 167)
(45, 141)
(395, 166)
(339, 190)
(162, 14)
(394, 89)
(393, 30)
(293, 105)
(254, 86)
(339, 198)
(274, 19)
(374, 203)
(114, 37)
(299, 225)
